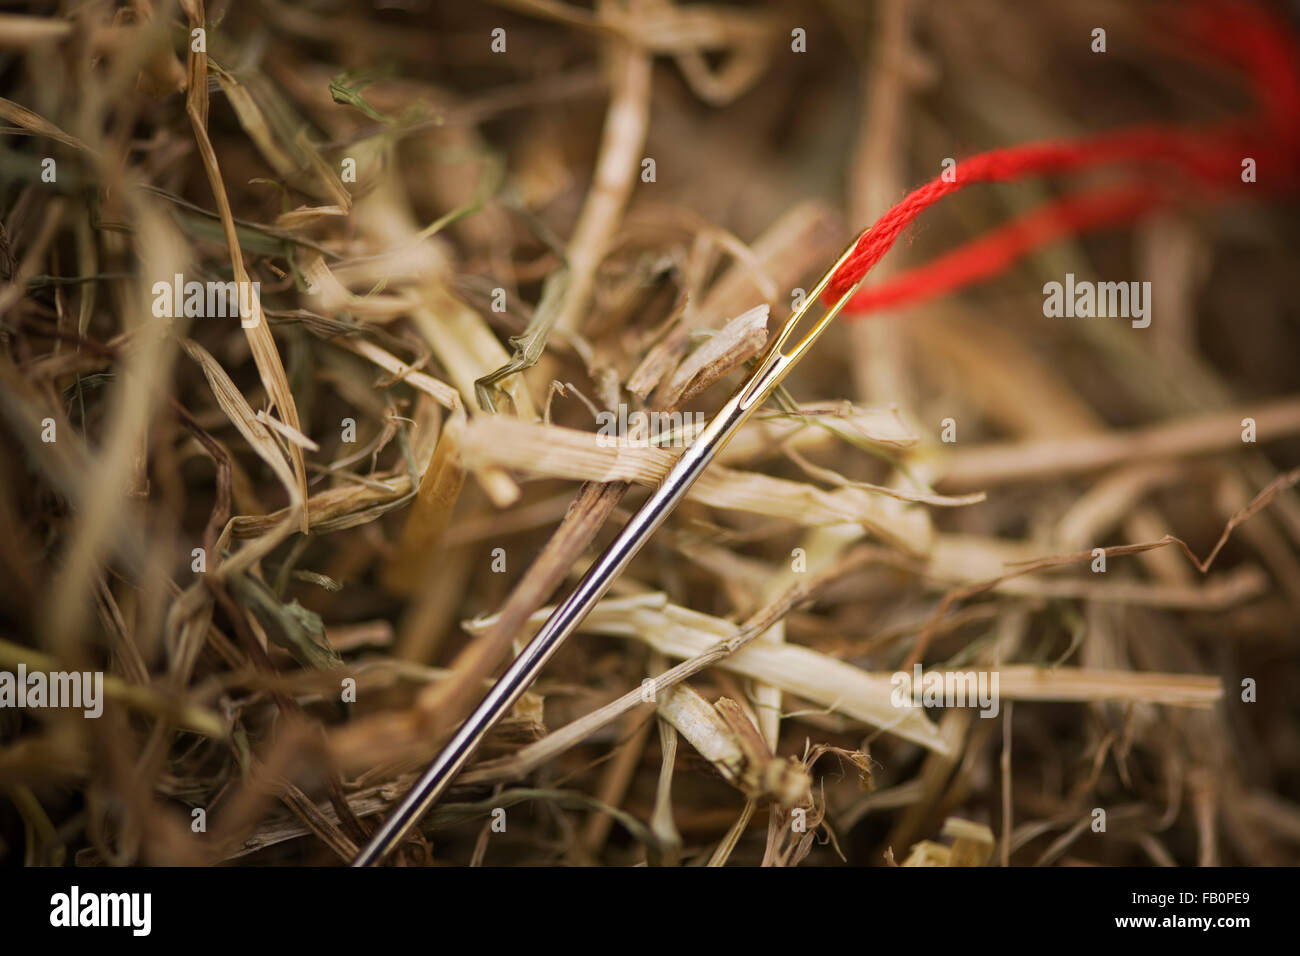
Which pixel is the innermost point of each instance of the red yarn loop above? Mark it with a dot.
(1159, 162)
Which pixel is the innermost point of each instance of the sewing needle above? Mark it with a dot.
(519, 676)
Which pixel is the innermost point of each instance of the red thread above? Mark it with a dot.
(994, 252)
(1160, 162)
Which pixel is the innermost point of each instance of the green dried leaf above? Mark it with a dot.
(531, 343)
(298, 630)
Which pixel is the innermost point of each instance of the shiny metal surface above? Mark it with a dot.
(767, 375)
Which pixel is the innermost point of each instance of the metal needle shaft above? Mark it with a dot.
(565, 619)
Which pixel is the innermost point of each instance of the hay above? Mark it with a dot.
(299, 541)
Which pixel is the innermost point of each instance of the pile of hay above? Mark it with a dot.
(299, 534)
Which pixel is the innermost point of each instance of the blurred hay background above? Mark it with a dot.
(501, 267)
